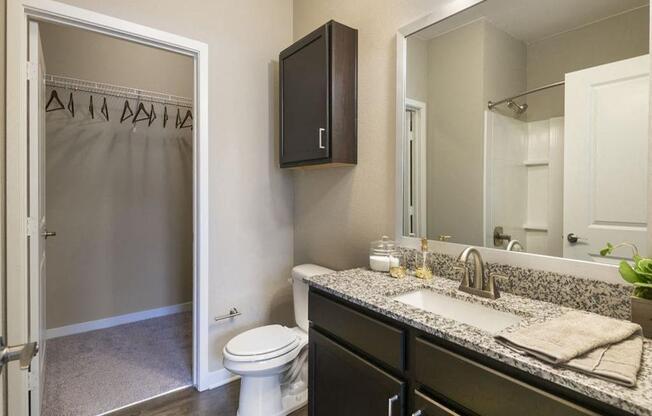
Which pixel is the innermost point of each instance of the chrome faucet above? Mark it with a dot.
(477, 286)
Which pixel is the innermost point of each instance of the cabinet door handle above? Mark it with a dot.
(390, 404)
(321, 138)
(417, 413)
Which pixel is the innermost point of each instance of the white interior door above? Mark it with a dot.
(606, 157)
(27, 288)
(38, 232)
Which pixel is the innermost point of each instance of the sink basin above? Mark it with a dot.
(479, 316)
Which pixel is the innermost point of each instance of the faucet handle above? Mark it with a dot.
(460, 267)
(492, 285)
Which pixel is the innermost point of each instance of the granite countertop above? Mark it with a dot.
(372, 290)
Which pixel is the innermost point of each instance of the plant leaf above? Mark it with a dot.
(607, 250)
(628, 273)
(642, 284)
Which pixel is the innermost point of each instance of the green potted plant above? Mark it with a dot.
(639, 274)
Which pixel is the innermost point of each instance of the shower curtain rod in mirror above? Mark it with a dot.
(75, 84)
(492, 104)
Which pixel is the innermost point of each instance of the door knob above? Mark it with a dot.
(47, 234)
(572, 238)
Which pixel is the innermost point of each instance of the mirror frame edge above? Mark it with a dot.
(580, 268)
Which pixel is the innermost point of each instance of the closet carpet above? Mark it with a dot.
(95, 372)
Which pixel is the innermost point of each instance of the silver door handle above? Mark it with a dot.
(390, 404)
(24, 353)
(321, 138)
(572, 238)
(47, 234)
(417, 413)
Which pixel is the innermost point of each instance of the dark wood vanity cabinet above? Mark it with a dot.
(318, 98)
(362, 363)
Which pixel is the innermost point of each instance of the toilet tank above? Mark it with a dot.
(300, 291)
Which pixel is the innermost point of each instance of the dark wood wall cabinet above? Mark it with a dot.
(365, 364)
(318, 98)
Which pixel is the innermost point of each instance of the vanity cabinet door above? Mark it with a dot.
(344, 384)
(304, 99)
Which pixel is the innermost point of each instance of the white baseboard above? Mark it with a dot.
(217, 378)
(62, 331)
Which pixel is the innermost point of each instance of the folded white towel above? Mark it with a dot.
(597, 345)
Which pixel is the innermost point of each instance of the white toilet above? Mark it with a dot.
(272, 360)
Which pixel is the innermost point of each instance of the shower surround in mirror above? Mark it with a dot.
(524, 183)
(513, 170)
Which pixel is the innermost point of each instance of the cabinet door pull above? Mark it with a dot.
(417, 413)
(390, 404)
(321, 138)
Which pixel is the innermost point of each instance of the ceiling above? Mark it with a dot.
(533, 20)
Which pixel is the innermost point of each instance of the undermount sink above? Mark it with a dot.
(479, 316)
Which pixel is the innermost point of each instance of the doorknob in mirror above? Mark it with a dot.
(47, 234)
(500, 237)
(572, 238)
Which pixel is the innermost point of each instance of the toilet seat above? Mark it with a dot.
(262, 343)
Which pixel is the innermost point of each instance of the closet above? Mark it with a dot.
(119, 122)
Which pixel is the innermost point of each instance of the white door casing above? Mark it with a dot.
(17, 159)
(414, 199)
(606, 157)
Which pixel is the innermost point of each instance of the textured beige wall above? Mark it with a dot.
(339, 211)
(91, 56)
(620, 37)
(455, 125)
(251, 199)
(133, 188)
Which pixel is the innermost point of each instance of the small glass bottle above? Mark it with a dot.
(422, 269)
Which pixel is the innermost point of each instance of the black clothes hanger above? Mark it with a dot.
(105, 110)
(91, 109)
(178, 121)
(126, 108)
(165, 116)
(54, 97)
(71, 105)
(152, 115)
(188, 117)
(141, 109)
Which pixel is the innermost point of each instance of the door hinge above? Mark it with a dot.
(32, 227)
(32, 70)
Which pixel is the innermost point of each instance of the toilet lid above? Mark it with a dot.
(262, 340)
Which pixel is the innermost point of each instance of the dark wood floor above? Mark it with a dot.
(222, 401)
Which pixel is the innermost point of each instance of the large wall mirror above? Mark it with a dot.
(526, 127)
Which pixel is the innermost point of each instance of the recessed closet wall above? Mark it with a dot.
(119, 195)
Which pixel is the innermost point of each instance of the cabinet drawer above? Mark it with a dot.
(425, 406)
(482, 389)
(377, 339)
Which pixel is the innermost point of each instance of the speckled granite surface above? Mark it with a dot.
(373, 290)
(603, 298)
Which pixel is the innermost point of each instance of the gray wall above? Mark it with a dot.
(619, 37)
(250, 222)
(86, 55)
(119, 198)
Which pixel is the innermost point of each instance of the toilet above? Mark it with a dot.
(272, 360)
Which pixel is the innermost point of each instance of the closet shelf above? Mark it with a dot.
(535, 227)
(536, 162)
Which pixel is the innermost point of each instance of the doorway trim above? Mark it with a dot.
(19, 12)
(420, 177)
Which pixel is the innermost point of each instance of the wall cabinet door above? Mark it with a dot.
(318, 98)
(344, 384)
(304, 106)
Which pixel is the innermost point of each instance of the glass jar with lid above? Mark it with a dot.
(384, 255)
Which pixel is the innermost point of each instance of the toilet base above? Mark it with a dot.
(290, 403)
